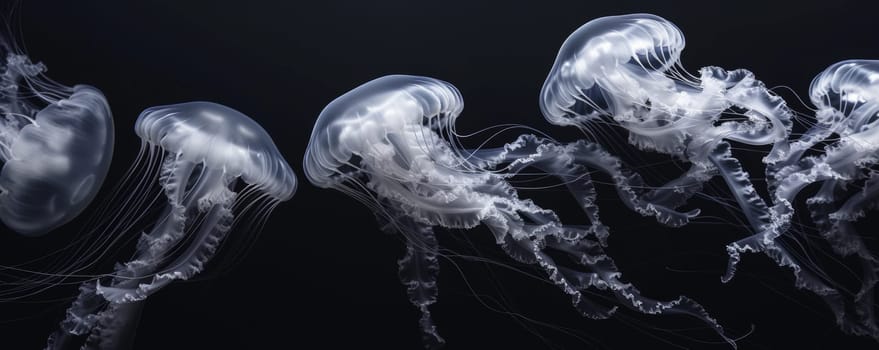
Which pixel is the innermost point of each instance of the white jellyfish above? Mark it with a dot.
(56, 144)
(846, 95)
(215, 167)
(625, 71)
(390, 143)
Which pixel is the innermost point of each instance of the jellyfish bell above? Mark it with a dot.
(373, 114)
(218, 169)
(56, 144)
(220, 138)
(644, 40)
(849, 92)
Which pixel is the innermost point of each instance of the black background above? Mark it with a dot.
(321, 275)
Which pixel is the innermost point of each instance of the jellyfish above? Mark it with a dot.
(56, 144)
(625, 71)
(390, 144)
(215, 167)
(846, 95)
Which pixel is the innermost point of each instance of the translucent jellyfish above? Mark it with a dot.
(213, 164)
(390, 143)
(56, 144)
(846, 95)
(625, 71)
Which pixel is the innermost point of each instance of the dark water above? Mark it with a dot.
(322, 275)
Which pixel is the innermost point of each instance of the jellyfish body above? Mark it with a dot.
(201, 151)
(846, 95)
(56, 144)
(390, 143)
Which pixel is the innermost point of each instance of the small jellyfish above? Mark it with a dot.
(846, 95)
(56, 144)
(391, 144)
(213, 164)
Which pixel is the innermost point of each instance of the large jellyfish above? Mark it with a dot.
(846, 95)
(390, 143)
(625, 71)
(213, 164)
(56, 144)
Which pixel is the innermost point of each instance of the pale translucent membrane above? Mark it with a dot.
(200, 151)
(56, 144)
(390, 143)
(625, 70)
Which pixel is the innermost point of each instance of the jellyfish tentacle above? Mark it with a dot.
(93, 303)
(80, 318)
(191, 261)
(535, 256)
(754, 208)
(769, 118)
(575, 178)
(117, 322)
(16, 113)
(768, 224)
(94, 312)
(677, 192)
(815, 134)
(820, 206)
(844, 240)
(572, 161)
(847, 241)
(856, 206)
(116, 326)
(627, 184)
(214, 200)
(607, 277)
(418, 270)
(153, 246)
